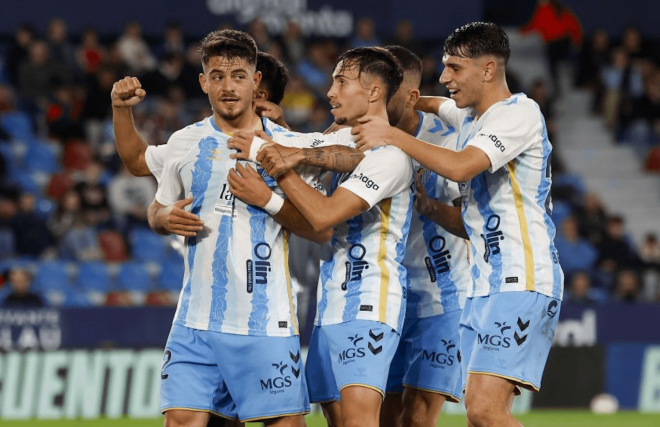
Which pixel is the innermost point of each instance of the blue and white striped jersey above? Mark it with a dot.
(507, 208)
(436, 260)
(236, 271)
(363, 277)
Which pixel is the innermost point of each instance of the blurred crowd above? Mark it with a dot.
(73, 220)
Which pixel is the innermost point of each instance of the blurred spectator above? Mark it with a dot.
(66, 214)
(38, 76)
(623, 83)
(61, 49)
(557, 25)
(616, 250)
(18, 52)
(644, 117)
(20, 281)
(172, 71)
(96, 109)
(34, 237)
(404, 36)
(365, 34)
(650, 251)
(633, 44)
(627, 286)
(298, 102)
(93, 194)
(294, 43)
(81, 242)
(259, 32)
(592, 218)
(575, 252)
(63, 113)
(539, 93)
(594, 56)
(134, 50)
(173, 41)
(90, 54)
(316, 69)
(129, 198)
(580, 290)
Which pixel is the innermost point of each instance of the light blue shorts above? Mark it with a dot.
(427, 356)
(358, 352)
(508, 334)
(233, 376)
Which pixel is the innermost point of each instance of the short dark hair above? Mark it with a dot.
(476, 39)
(230, 44)
(375, 61)
(274, 76)
(410, 63)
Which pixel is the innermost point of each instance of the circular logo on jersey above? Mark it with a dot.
(357, 251)
(493, 222)
(437, 244)
(262, 251)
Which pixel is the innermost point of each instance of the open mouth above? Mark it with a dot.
(452, 92)
(229, 101)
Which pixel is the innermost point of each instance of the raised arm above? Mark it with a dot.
(456, 166)
(246, 184)
(131, 147)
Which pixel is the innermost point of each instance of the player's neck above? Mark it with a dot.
(245, 122)
(378, 109)
(490, 98)
(409, 121)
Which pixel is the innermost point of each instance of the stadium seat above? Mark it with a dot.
(7, 244)
(133, 276)
(17, 124)
(58, 185)
(113, 246)
(40, 157)
(171, 275)
(147, 246)
(77, 155)
(53, 275)
(94, 282)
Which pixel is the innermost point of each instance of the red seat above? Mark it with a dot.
(77, 155)
(113, 246)
(653, 160)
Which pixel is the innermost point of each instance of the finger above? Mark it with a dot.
(185, 202)
(184, 233)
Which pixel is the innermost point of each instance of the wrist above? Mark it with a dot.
(274, 204)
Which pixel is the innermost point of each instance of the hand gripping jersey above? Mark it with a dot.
(362, 275)
(436, 260)
(507, 208)
(236, 271)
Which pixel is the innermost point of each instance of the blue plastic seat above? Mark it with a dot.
(171, 275)
(133, 276)
(40, 157)
(93, 276)
(52, 275)
(17, 124)
(147, 246)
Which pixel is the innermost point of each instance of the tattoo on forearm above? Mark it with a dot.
(336, 158)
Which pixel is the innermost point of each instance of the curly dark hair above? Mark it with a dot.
(230, 44)
(375, 61)
(476, 39)
(274, 76)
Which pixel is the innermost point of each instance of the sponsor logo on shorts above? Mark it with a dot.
(441, 359)
(492, 236)
(552, 308)
(355, 265)
(355, 351)
(495, 342)
(438, 261)
(281, 379)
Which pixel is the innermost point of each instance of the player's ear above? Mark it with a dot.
(203, 83)
(490, 69)
(376, 93)
(256, 79)
(413, 96)
(261, 93)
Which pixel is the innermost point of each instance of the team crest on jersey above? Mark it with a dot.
(355, 265)
(492, 236)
